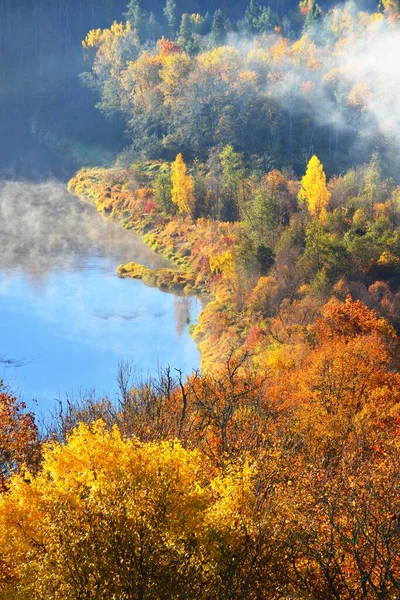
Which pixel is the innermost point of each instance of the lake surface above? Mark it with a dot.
(66, 319)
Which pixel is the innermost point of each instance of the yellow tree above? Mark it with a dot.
(313, 190)
(391, 7)
(182, 186)
(109, 517)
(223, 263)
(106, 517)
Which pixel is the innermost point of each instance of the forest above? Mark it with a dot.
(256, 147)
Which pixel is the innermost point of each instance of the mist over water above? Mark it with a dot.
(43, 228)
(66, 318)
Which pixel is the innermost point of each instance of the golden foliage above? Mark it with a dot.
(102, 511)
(182, 186)
(223, 263)
(314, 192)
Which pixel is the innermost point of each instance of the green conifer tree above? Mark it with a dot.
(170, 14)
(265, 21)
(134, 14)
(186, 39)
(218, 33)
(252, 15)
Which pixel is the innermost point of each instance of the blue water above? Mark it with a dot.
(66, 319)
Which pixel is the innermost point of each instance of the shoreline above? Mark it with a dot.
(188, 245)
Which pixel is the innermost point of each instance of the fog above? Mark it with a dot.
(43, 228)
(66, 319)
(349, 81)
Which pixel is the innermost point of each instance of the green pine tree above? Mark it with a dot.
(218, 33)
(186, 39)
(252, 15)
(170, 14)
(265, 21)
(134, 14)
(153, 30)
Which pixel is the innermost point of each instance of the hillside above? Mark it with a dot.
(261, 158)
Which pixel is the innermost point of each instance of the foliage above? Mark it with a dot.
(182, 193)
(284, 482)
(272, 476)
(107, 516)
(313, 190)
(19, 441)
(267, 98)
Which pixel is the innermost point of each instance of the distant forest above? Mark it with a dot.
(44, 108)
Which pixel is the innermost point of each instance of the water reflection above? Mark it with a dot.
(65, 317)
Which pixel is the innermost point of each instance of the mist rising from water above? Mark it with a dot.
(43, 228)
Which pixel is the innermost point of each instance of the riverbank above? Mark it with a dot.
(202, 251)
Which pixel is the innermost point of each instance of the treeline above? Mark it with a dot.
(232, 485)
(44, 100)
(222, 127)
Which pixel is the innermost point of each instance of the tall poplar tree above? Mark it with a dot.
(182, 186)
(313, 190)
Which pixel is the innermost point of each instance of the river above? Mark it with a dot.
(66, 319)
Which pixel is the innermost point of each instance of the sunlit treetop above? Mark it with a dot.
(314, 192)
(182, 186)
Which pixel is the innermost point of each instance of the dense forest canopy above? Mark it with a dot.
(41, 61)
(275, 89)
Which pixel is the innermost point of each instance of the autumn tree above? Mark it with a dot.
(231, 407)
(314, 192)
(113, 518)
(19, 449)
(338, 508)
(344, 380)
(182, 193)
(315, 195)
(107, 518)
(340, 526)
(19, 441)
(313, 14)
